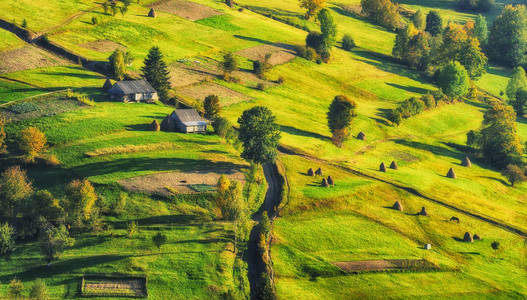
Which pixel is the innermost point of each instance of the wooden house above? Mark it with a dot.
(133, 91)
(186, 121)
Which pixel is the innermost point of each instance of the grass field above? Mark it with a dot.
(9, 41)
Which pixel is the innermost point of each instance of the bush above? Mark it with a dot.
(315, 41)
(429, 101)
(94, 21)
(280, 80)
(260, 86)
(261, 67)
(32, 142)
(39, 290)
(347, 42)
(212, 107)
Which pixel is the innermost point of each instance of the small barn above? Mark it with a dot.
(187, 121)
(133, 91)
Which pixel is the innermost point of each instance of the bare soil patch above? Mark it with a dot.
(185, 9)
(280, 53)
(181, 182)
(103, 46)
(188, 74)
(27, 57)
(386, 265)
(114, 287)
(202, 90)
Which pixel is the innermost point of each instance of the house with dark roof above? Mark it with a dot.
(186, 121)
(133, 91)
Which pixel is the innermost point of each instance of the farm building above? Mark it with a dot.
(133, 91)
(186, 121)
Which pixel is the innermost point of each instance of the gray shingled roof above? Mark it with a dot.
(135, 87)
(190, 117)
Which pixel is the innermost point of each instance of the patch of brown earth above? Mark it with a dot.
(365, 265)
(183, 74)
(202, 90)
(280, 53)
(162, 183)
(103, 46)
(185, 9)
(27, 57)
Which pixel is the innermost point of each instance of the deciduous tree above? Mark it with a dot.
(14, 187)
(514, 174)
(259, 134)
(159, 240)
(212, 107)
(453, 80)
(507, 40)
(53, 240)
(312, 7)
(517, 82)
(340, 114)
(116, 64)
(7, 240)
(32, 142)
(328, 28)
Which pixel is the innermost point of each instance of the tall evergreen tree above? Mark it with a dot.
(481, 29)
(434, 23)
(507, 41)
(155, 71)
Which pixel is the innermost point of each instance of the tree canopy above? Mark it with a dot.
(155, 71)
(507, 41)
(340, 114)
(312, 7)
(453, 80)
(382, 12)
(434, 23)
(259, 134)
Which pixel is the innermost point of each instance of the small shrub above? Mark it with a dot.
(429, 101)
(131, 229)
(15, 288)
(241, 9)
(347, 42)
(39, 290)
(24, 23)
(260, 86)
(280, 80)
(94, 21)
(50, 160)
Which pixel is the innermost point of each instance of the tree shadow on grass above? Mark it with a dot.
(300, 132)
(411, 89)
(160, 220)
(383, 114)
(437, 150)
(71, 74)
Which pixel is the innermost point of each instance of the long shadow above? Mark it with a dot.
(505, 183)
(68, 74)
(411, 89)
(437, 150)
(300, 132)
(62, 267)
(160, 220)
(273, 11)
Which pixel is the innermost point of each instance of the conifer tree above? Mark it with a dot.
(155, 71)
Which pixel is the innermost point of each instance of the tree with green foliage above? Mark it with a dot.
(123, 10)
(116, 65)
(39, 290)
(499, 141)
(3, 135)
(315, 41)
(328, 28)
(80, 202)
(517, 82)
(32, 141)
(347, 42)
(382, 12)
(507, 41)
(14, 188)
(259, 135)
(263, 66)
(43, 204)
(16, 287)
(105, 7)
(312, 7)
(228, 65)
(434, 23)
(53, 240)
(7, 240)
(454, 80)
(229, 199)
(155, 71)
(514, 174)
(481, 29)
(520, 102)
(159, 240)
(131, 229)
(419, 20)
(212, 107)
(340, 114)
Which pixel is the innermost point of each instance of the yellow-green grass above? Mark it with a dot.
(195, 263)
(9, 41)
(495, 80)
(41, 14)
(313, 232)
(10, 91)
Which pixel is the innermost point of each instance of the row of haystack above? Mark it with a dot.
(451, 174)
(326, 182)
(318, 172)
(398, 206)
(393, 166)
(469, 238)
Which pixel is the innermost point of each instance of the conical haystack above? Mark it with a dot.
(310, 172)
(451, 174)
(397, 206)
(361, 136)
(155, 126)
(393, 165)
(152, 13)
(423, 212)
(318, 172)
(466, 162)
(107, 85)
(325, 182)
(382, 167)
(476, 237)
(468, 238)
(330, 181)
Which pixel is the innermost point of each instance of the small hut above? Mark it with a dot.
(393, 165)
(155, 126)
(476, 237)
(325, 182)
(107, 85)
(382, 167)
(397, 206)
(466, 162)
(330, 181)
(423, 212)
(451, 174)
(152, 13)
(468, 238)
(318, 172)
(428, 246)
(361, 136)
(310, 172)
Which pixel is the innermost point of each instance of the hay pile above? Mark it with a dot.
(324, 182)
(466, 162)
(451, 174)
(361, 136)
(423, 212)
(152, 13)
(330, 181)
(318, 172)
(310, 172)
(393, 165)
(397, 206)
(382, 167)
(468, 238)
(476, 237)
(155, 126)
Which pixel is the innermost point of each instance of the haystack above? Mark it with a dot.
(330, 181)
(324, 182)
(466, 162)
(397, 206)
(155, 126)
(310, 172)
(468, 238)
(393, 165)
(476, 237)
(107, 85)
(423, 212)
(361, 136)
(451, 174)
(382, 167)
(152, 13)
(318, 172)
